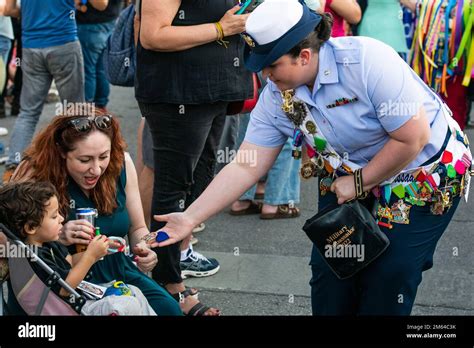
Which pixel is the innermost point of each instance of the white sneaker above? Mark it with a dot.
(197, 265)
(3, 131)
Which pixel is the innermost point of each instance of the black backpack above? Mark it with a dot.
(120, 56)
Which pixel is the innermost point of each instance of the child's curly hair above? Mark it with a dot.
(24, 205)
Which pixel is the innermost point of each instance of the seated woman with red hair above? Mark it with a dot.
(84, 158)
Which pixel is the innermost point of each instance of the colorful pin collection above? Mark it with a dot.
(298, 137)
(438, 187)
(325, 185)
(157, 236)
(296, 112)
(316, 164)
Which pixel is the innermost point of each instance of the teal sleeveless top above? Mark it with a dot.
(116, 266)
(382, 21)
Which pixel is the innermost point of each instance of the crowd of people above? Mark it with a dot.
(328, 59)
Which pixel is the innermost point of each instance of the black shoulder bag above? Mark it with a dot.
(347, 236)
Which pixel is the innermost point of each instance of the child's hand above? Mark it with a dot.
(98, 247)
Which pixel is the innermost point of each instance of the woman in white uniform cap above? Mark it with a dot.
(368, 114)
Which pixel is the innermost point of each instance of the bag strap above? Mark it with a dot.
(331, 155)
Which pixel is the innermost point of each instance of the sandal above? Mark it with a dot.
(253, 208)
(199, 228)
(198, 309)
(283, 212)
(187, 292)
(193, 241)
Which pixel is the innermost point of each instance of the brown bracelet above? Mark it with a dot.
(359, 184)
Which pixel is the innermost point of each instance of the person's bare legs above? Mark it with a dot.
(139, 162)
(188, 302)
(145, 185)
(145, 176)
(266, 208)
(242, 205)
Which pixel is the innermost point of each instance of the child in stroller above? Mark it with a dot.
(30, 210)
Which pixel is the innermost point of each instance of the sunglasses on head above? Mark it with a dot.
(84, 124)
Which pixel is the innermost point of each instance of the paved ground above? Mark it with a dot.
(264, 264)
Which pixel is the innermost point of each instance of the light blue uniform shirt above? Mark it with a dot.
(389, 93)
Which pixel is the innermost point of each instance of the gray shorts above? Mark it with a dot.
(147, 147)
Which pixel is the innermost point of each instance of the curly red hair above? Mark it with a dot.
(44, 160)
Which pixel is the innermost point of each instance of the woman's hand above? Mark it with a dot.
(344, 188)
(178, 226)
(76, 232)
(233, 24)
(146, 258)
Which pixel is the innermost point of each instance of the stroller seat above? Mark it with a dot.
(34, 297)
(28, 291)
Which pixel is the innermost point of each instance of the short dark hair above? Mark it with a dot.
(316, 38)
(24, 204)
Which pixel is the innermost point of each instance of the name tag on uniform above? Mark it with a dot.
(341, 102)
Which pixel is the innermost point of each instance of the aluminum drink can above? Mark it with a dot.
(88, 214)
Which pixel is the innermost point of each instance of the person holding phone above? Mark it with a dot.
(189, 68)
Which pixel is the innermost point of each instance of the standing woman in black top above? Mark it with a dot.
(189, 67)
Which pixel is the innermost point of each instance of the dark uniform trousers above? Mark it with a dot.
(389, 284)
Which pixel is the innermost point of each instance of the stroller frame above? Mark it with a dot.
(75, 299)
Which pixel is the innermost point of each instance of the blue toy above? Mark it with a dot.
(118, 289)
(162, 236)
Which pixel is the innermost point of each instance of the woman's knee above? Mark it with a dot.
(162, 302)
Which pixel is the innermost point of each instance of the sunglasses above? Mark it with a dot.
(84, 124)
